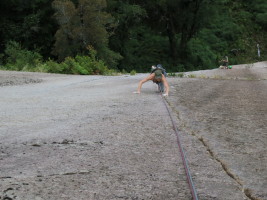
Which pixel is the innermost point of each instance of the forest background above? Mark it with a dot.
(107, 36)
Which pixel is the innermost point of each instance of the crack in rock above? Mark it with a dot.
(246, 191)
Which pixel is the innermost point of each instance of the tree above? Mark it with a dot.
(83, 25)
(179, 20)
(27, 22)
(129, 19)
(249, 17)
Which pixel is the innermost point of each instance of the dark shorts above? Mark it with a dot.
(156, 81)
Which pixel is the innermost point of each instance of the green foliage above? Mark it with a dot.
(81, 25)
(87, 64)
(133, 72)
(191, 76)
(131, 34)
(201, 56)
(129, 17)
(71, 66)
(252, 32)
(49, 66)
(83, 65)
(180, 68)
(171, 74)
(19, 58)
(143, 49)
(181, 75)
(22, 59)
(259, 11)
(261, 18)
(29, 23)
(123, 71)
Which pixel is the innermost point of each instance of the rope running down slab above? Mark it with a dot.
(187, 171)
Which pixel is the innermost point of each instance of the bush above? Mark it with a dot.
(180, 68)
(201, 56)
(181, 75)
(133, 72)
(72, 66)
(52, 67)
(191, 76)
(21, 59)
(171, 74)
(83, 65)
(123, 71)
(86, 63)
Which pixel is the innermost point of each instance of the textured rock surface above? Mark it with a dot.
(89, 137)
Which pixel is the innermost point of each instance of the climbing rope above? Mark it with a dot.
(187, 171)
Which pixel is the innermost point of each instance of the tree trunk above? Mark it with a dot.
(172, 40)
(183, 44)
(188, 31)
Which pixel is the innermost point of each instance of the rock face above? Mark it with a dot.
(226, 112)
(89, 137)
